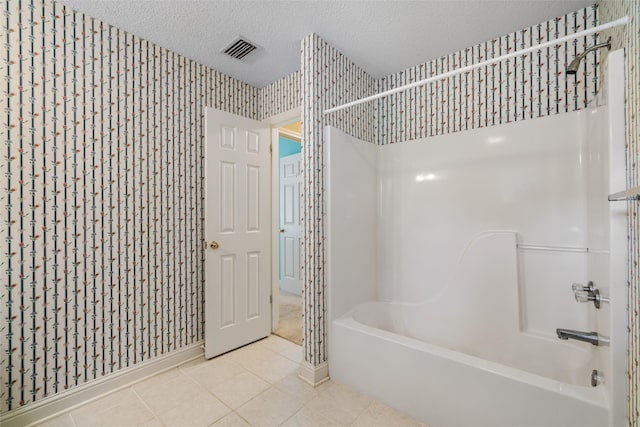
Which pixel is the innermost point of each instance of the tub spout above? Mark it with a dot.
(590, 337)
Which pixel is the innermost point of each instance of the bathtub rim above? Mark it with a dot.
(594, 396)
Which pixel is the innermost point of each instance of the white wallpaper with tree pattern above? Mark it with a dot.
(102, 214)
(520, 88)
(280, 96)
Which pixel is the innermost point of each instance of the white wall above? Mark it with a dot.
(431, 197)
(351, 221)
(438, 193)
(428, 199)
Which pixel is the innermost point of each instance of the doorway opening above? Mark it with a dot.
(289, 325)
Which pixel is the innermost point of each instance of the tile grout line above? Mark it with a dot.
(314, 412)
(114, 391)
(73, 421)
(275, 353)
(302, 407)
(253, 398)
(243, 418)
(363, 411)
(292, 415)
(211, 393)
(271, 386)
(96, 400)
(299, 361)
(155, 416)
(46, 422)
(245, 369)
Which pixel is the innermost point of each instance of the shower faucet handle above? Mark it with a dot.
(579, 287)
(583, 296)
(588, 293)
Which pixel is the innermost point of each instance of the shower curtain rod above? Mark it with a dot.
(612, 24)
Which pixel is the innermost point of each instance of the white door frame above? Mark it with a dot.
(279, 120)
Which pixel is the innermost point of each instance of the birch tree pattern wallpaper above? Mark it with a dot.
(280, 96)
(533, 85)
(101, 198)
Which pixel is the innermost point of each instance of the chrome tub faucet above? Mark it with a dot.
(590, 337)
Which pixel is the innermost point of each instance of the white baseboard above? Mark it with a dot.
(52, 406)
(314, 375)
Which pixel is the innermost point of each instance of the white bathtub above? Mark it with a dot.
(443, 387)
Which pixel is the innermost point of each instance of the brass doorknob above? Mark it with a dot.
(214, 245)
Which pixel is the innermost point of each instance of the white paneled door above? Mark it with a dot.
(237, 229)
(290, 229)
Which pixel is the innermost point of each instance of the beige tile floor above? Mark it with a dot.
(256, 385)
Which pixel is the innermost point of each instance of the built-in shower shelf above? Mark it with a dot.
(629, 194)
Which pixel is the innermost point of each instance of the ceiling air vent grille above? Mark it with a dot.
(239, 48)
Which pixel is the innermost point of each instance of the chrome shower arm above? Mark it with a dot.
(575, 64)
(606, 44)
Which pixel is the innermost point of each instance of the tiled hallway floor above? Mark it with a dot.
(256, 385)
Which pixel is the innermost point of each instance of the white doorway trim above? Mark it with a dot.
(290, 134)
(279, 120)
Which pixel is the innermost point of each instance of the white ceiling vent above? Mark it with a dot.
(239, 48)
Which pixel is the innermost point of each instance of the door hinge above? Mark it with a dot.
(271, 299)
(271, 148)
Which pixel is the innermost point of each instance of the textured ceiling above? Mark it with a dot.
(382, 37)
